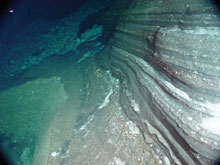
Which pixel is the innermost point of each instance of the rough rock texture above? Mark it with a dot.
(166, 53)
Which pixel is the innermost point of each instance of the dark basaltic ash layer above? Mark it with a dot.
(166, 54)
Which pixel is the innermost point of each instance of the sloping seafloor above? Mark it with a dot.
(105, 137)
(66, 110)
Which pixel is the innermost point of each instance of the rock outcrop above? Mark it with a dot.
(166, 54)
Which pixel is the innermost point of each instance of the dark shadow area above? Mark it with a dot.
(3, 159)
(218, 161)
(108, 21)
(97, 18)
(217, 3)
(4, 5)
(15, 15)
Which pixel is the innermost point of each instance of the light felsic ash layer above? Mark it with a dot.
(166, 54)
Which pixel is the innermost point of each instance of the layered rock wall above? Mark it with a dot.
(166, 54)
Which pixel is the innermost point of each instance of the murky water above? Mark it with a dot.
(59, 94)
(57, 106)
(47, 82)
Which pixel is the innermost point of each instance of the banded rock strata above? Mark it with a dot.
(166, 53)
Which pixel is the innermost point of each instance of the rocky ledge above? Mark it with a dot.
(166, 54)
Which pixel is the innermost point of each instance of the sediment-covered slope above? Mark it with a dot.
(166, 54)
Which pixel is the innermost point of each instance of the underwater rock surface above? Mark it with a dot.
(162, 107)
(166, 54)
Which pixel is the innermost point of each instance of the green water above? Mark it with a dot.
(51, 85)
(58, 89)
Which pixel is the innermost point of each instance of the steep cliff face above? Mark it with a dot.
(166, 54)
